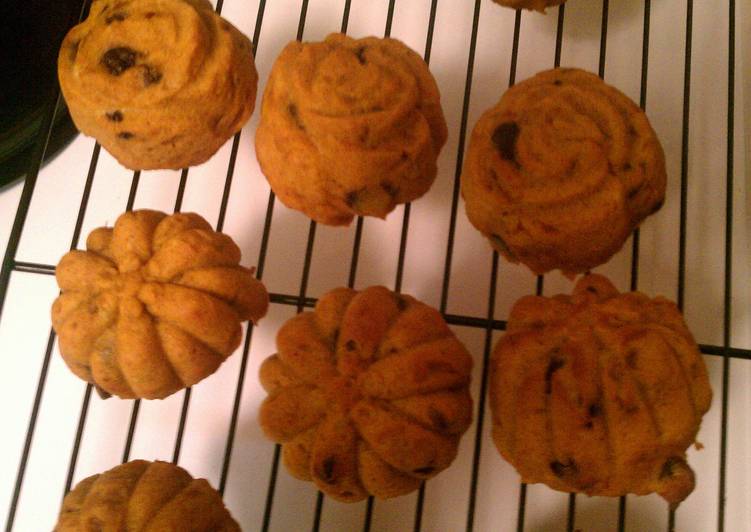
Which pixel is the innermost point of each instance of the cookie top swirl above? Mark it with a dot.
(349, 127)
(150, 71)
(561, 171)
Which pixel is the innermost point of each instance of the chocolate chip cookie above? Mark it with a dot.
(368, 394)
(158, 84)
(349, 127)
(560, 172)
(599, 392)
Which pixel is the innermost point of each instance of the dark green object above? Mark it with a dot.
(30, 35)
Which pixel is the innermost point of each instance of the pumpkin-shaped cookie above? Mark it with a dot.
(368, 394)
(153, 305)
(599, 392)
(143, 496)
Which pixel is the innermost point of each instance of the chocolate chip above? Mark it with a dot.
(631, 194)
(115, 17)
(351, 198)
(74, 50)
(390, 189)
(328, 468)
(125, 135)
(594, 410)
(94, 525)
(500, 245)
(102, 394)
(151, 75)
(554, 365)
(350, 345)
(627, 167)
(438, 420)
(118, 60)
(657, 206)
(669, 467)
(558, 82)
(504, 137)
(115, 116)
(401, 303)
(360, 53)
(424, 470)
(632, 359)
(564, 469)
(405, 156)
(292, 110)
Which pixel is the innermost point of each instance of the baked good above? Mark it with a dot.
(561, 171)
(143, 496)
(368, 394)
(349, 127)
(153, 305)
(159, 84)
(537, 5)
(599, 392)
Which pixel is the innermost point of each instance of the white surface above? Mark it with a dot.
(25, 324)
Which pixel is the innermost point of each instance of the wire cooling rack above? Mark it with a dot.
(677, 59)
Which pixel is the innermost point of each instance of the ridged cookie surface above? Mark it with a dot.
(599, 392)
(560, 172)
(153, 305)
(160, 84)
(349, 127)
(143, 496)
(368, 394)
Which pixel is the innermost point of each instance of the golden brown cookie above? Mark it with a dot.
(599, 392)
(349, 127)
(154, 304)
(560, 172)
(159, 84)
(368, 394)
(537, 5)
(143, 496)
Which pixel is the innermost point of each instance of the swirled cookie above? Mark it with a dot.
(536, 5)
(560, 172)
(368, 394)
(159, 84)
(349, 127)
(599, 392)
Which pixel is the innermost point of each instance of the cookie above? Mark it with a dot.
(536, 5)
(368, 394)
(154, 304)
(143, 496)
(158, 84)
(561, 171)
(349, 127)
(599, 392)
